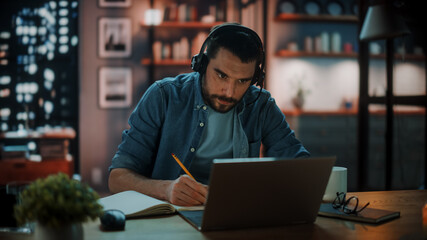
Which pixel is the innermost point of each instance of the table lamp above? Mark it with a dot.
(381, 22)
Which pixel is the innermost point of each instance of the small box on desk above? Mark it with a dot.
(53, 148)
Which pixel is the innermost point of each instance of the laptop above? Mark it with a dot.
(262, 192)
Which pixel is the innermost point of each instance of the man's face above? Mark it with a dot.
(226, 80)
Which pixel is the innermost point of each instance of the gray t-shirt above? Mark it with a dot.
(216, 142)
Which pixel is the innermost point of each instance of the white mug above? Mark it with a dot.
(337, 183)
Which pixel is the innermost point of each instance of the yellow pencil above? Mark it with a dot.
(183, 167)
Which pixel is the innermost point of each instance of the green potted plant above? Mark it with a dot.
(58, 205)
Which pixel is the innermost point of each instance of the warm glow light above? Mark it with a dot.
(4, 127)
(32, 30)
(25, 40)
(32, 68)
(31, 146)
(63, 21)
(5, 112)
(63, 39)
(63, 30)
(49, 75)
(5, 35)
(63, 3)
(153, 17)
(42, 49)
(74, 40)
(4, 80)
(48, 107)
(63, 49)
(42, 30)
(63, 12)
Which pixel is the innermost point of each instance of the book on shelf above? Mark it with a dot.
(54, 148)
(368, 215)
(197, 42)
(157, 50)
(182, 12)
(135, 204)
(182, 49)
(185, 12)
(14, 152)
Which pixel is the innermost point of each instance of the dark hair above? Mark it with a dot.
(240, 43)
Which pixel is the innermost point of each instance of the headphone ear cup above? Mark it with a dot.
(194, 63)
(199, 64)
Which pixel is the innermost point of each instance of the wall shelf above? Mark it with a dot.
(410, 57)
(290, 54)
(323, 18)
(287, 53)
(167, 62)
(194, 25)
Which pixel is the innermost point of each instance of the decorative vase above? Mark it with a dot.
(66, 232)
(298, 101)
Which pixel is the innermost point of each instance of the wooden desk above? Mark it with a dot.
(408, 226)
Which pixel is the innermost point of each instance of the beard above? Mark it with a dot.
(210, 100)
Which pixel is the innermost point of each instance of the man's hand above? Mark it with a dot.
(184, 191)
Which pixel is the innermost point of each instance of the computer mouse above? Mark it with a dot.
(113, 220)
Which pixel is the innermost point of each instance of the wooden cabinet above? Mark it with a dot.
(25, 171)
(408, 151)
(332, 135)
(335, 134)
(48, 146)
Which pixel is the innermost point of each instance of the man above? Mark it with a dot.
(214, 112)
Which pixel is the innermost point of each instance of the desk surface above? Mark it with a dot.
(408, 226)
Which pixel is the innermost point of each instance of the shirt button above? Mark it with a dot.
(204, 107)
(201, 124)
(192, 149)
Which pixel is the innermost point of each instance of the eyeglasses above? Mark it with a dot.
(348, 206)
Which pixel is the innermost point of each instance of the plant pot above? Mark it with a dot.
(65, 232)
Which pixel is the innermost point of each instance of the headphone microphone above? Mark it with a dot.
(199, 62)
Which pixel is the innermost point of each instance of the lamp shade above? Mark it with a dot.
(381, 23)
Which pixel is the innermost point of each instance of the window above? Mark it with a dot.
(38, 64)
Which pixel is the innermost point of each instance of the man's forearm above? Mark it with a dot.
(122, 179)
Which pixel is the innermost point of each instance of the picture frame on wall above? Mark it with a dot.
(114, 3)
(115, 37)
(115, 87)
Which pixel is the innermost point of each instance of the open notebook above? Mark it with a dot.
(135, 204)
(259, 192)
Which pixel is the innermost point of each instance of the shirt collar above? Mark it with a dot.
(198, 98)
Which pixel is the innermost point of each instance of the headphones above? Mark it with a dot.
(200, 61)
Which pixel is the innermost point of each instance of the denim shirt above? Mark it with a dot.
(170, 118)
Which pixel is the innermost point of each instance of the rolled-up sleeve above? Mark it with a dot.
(139, 145)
